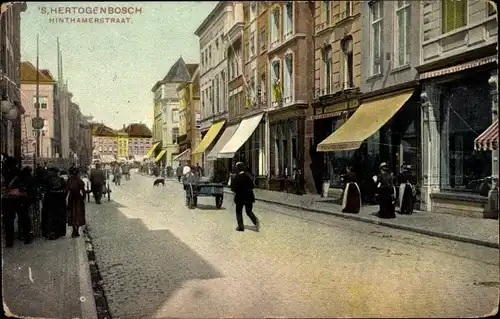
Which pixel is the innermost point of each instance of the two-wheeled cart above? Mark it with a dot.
(203, 189)
(105, 191)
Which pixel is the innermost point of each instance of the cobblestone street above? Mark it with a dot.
(159, 259)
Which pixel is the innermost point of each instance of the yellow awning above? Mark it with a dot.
(368, 119)
(209, 137)
(151, 150)
(160, 156)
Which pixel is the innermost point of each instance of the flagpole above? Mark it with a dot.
(37, 105)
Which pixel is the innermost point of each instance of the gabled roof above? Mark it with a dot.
(179, 72)
(28, 74)
(137, 130)
(102, 130)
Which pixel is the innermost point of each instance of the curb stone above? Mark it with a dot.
(386, 224)
(101, 302)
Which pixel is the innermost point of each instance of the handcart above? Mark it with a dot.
(203, 189)
(105, 191)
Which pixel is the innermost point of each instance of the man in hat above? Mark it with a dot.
(242, 187)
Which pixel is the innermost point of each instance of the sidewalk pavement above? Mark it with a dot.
(48, 279)
(465, 229)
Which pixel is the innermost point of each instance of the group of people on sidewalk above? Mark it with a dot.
(387, 195)
(63, 201)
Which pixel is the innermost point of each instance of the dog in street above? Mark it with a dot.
(159, 181)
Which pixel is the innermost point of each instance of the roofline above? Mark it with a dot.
(210, 16)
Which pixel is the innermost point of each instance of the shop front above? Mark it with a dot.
(222, 166)
(461, 164)
(206, 144)
(383, 128)
(289, 149)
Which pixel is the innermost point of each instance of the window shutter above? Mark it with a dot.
(460, 11)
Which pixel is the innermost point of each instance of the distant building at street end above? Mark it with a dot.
(131, 142)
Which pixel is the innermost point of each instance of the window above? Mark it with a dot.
(212, 97)
(326, 6)
(263, 88)
(348, 8)
(403, 27)
(253, 11)
(43, 100)
(276, 80)
(327, 76)
(252, 45)
(287, 78)
(210, 56)
(376, 37)
(217, 94)
(223, 89)
(466, 114)
(175, 135)
(263, 40)
(217, 51)
(454, 14)
(347, 49)
(288, 20)
(202, 59)
(175, 116)
(275, 26)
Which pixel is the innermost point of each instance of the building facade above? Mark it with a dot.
(458, 74)
(189, 120)
(337, 73)
(47, 87)
(139, 141)
(291, 61)
(80, 136)
(10, 60)
(212, 35)
(167, 111)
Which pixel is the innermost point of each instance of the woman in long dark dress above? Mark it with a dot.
(76, 202)
(351, 202)
(386, 192)
(406, 191)
(54, 206)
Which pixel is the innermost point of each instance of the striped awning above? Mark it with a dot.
(488, 140)
(184, 156)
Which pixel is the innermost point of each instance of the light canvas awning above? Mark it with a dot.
(225, 137)
(159, 157)
(488, 140)
(151, 150)
(212, 133)
(184, 156)
(368, 119)
(242, 134)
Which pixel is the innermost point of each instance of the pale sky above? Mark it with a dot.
(112, 67)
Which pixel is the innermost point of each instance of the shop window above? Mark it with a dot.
(466, 113)
(338, 161)
(454, 14)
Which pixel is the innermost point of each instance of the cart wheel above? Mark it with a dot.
(218, 201)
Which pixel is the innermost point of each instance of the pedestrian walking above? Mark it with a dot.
(97, 182)
(386, 192)
(76, 202)
(351, 201)
(242, 187)
(178, 172)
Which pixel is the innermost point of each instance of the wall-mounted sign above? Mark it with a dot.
(335, 109)
(37, 123)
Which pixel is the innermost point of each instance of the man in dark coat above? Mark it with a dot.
(386, 191)
(242, 187)
(97, 181)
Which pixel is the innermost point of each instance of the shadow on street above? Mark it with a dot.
(149, 265)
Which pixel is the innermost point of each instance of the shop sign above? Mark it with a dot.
(458, 68)
(337, 107)
(286, 115)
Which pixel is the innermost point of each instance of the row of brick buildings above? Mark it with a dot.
(320, 85)
(130, 143)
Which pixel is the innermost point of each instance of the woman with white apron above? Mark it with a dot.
(351, 202)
